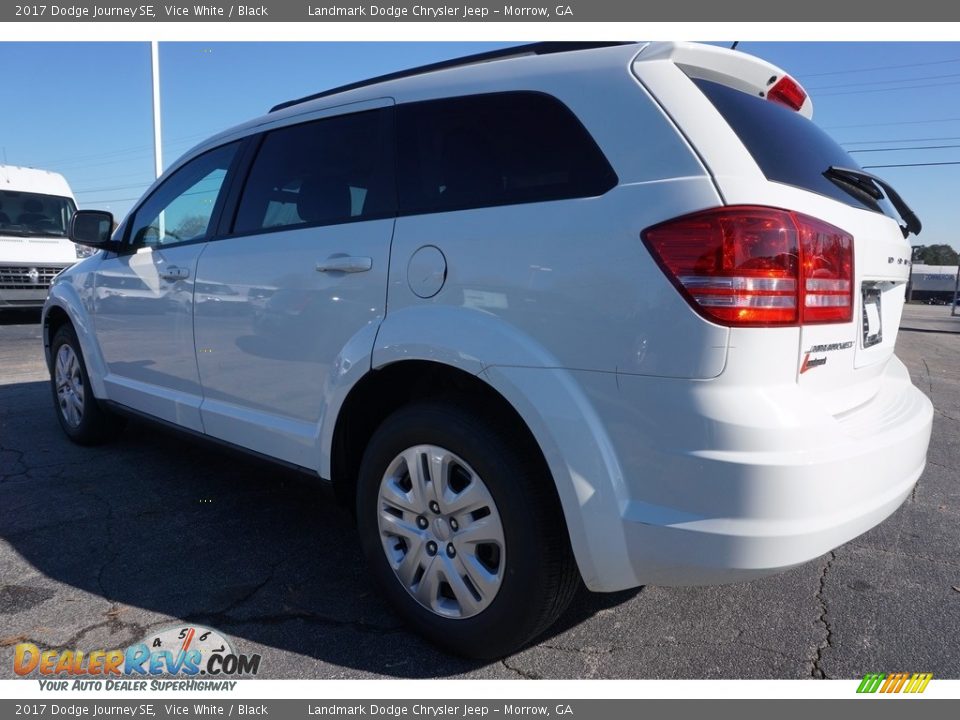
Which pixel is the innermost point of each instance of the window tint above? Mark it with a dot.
(182, 207)
(498, 149)
(788, 147)
(318, 173)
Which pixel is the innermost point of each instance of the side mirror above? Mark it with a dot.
(92, 228)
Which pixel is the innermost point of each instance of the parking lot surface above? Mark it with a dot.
(99, 546)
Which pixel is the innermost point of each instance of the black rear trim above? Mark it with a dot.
(862, 181)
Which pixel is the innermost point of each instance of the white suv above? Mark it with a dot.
(616, 313)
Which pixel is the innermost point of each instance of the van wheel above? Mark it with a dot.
(463, 531)
(79, 413)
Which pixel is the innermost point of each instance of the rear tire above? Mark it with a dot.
(80, 415)
(500, 570)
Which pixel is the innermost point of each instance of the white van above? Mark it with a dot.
(35, 211)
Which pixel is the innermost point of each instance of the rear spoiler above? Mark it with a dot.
(734, 69)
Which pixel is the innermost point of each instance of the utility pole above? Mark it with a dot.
(157, 146)
(956, 291)
(157, 149)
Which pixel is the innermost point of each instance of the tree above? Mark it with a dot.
(935, 255)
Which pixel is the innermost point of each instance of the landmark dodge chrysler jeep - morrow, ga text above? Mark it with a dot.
(619, 313)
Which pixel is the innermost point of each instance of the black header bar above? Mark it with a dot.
(499, 11)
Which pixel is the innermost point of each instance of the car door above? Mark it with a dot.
(299, 281)
(143, 307)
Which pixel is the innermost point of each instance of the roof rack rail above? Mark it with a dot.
(539, 48)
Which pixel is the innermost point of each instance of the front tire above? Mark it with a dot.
(82, 418)
(463, 531)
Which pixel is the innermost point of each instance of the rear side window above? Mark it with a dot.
(788, 147)
(498, 149)
(320, 173)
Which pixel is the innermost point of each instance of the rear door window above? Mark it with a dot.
(788, 147)
(495, 149)
(323, 172)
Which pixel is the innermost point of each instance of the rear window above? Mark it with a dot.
(495, 149)
(788, 147)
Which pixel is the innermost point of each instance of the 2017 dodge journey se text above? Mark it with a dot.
(610, 313)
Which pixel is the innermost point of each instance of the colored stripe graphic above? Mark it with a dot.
(870, 682)
(918, 683)
(894, 683)
(900, 681)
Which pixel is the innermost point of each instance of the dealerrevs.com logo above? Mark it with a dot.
(188, 652)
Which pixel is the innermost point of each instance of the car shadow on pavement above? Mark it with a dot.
(17, 316)
(154, 529)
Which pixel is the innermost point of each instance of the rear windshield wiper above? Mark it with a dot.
(875, 187)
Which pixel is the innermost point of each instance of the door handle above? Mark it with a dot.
(174, 273)
(345, 264)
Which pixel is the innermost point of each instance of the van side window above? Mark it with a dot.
(335, 170)
(182, 207)
(495, 149)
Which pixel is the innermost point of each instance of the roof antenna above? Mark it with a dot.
(735, 43)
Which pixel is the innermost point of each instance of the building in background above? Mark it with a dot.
(934, 284)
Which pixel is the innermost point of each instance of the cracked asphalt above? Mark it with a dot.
(100, 546)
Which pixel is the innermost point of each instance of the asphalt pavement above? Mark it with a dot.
(101, 546)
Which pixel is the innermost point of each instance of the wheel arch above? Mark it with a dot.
(383, 390)
(65, 307)
(595, 535)
(54, 319)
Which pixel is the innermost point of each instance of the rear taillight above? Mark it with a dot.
(787, 92)
(757, 266)
(826, 269)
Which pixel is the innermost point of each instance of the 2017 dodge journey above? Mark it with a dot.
(610, 313)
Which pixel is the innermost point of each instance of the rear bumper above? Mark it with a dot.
(713, 493)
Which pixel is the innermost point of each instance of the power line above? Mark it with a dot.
(95, 155)
(893, 89)
(898, 140)
(868, 167)
(115, 187)
(890, 149)
(78, 165)
(879, 67)
(883, 82)
(104, 201)
(125, 151)
(886, 124)
(202, 191)
(140, 174)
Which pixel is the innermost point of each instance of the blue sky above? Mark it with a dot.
(84, 109)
